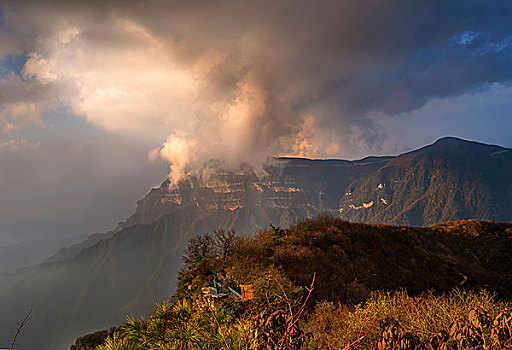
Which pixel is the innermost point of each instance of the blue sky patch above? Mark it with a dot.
(12, 63)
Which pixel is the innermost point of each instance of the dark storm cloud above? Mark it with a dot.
(358, 56)
(338, 60)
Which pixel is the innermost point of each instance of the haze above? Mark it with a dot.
(101, 100)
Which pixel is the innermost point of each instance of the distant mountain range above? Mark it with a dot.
(93, 284)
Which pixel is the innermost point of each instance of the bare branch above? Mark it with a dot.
(295, 318)
(358, 340)
(20, 326)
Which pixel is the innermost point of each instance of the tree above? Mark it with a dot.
(224, 240)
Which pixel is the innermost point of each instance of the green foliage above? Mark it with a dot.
(458, 320)
(90, 341)
(117, 342)
(229, 310)
(194, 325)
(277, 235)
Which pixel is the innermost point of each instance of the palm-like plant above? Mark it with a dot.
(118, 342)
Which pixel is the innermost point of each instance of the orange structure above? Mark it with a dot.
(247, 291)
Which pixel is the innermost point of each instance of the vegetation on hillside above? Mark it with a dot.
(330, 284)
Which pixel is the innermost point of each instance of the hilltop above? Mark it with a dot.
(352, 260)
(443, 269)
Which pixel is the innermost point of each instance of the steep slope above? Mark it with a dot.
(449, 180)
(315, 186)
(351, 261)
(96, 283)
(68, 252)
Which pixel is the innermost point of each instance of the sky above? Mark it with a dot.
(100, 100)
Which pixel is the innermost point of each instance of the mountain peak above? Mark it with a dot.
(457, 147)
(455, 141)
(452, 139)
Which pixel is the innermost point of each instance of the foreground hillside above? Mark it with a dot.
(324, 283)
(351, 259)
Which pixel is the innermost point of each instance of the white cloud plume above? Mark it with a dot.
(180, 152)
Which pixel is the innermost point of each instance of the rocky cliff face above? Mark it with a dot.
(308, 186)
(92, 285)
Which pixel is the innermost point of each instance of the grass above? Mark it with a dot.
(424, 316)
(375, 287)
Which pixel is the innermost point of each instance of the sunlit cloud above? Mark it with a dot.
(241, 83)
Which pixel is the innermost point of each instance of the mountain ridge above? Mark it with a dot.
(84, 279)
(450, 179)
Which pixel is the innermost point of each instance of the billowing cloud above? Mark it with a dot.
(244, 80)
(179, 151)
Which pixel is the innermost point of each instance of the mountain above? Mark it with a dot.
(292, 188)
(68, 252)
(450, 180)
(92, 285)
(95, 283)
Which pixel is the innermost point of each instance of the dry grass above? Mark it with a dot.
(335, 326)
